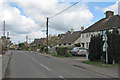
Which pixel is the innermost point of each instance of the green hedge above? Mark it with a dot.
(61, 50)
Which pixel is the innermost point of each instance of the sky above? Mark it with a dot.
(28, 17)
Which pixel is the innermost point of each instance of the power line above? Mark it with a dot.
(64, 10)
(54, 24)
(42, 25)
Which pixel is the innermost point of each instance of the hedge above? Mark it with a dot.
(61, 50)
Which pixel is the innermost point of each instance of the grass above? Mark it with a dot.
(60, 56)
(54, 54)
(100, 64)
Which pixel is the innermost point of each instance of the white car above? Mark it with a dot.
(78, 51)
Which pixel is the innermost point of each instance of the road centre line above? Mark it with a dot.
(38, 62)
(62, 77)
(45, 67)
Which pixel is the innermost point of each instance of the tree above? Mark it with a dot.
(113, 46)
(53, 41)
(22, 46)
(95, 48)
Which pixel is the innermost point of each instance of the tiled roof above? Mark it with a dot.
(104, 23)
(70, 38)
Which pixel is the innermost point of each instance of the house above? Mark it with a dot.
(70, 38)
(5, 41)
(38, 42)
(0, 45)
(110, 22)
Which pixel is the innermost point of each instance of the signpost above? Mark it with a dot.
(106, 47)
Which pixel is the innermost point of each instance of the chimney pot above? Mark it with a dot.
(109, 14)
(82, 28)
(72, 31)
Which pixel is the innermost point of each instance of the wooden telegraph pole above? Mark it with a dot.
(47, 36)
(4, 29)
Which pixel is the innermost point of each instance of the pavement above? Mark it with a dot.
(30, 65)
(4, 62)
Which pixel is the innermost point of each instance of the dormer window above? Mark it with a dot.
(64, 43)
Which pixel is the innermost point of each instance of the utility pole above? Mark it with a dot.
(26, 39)
(7, 39)
(47, 36)
(18, 45)
(4, 29)
(4, 38)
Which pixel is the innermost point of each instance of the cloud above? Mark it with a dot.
(115, 8)
(31, 14)
(38, 10)
(17, 24)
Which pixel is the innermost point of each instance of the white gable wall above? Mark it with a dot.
(85, 38)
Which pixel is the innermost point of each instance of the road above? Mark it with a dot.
(31, 65)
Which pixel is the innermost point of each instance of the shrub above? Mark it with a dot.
(61, 50)
(43, 48)
(68, 54)
(113, 46)
(95, 48)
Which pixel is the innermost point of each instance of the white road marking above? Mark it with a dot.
(61, 77)
(45, 67)
(38, 62)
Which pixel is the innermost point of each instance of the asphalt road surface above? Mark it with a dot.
(31, 65)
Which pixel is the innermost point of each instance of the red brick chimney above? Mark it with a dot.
(109, 14)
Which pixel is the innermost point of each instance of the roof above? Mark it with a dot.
(70, 38)
(104, 23)
(38, 41)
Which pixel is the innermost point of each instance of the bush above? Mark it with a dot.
(43, 48)
(95, 48)
(113, 46)
(61, 50)
(68, 54)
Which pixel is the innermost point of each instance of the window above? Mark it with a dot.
(82, 35)
(59, 44)
(83, 44)
(104, 32)
(110, 30)
(64, 43)
(87, 35)
(69, 43)
(101, 32)
(87, 45)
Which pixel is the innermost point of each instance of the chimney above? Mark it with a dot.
(72, 31)
(109, 14)
(82, 28)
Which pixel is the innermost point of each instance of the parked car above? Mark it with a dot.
(78, 51)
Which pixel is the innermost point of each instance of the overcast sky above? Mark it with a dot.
(25, 17)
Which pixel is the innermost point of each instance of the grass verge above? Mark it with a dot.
(60, 56)
(100, 64)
